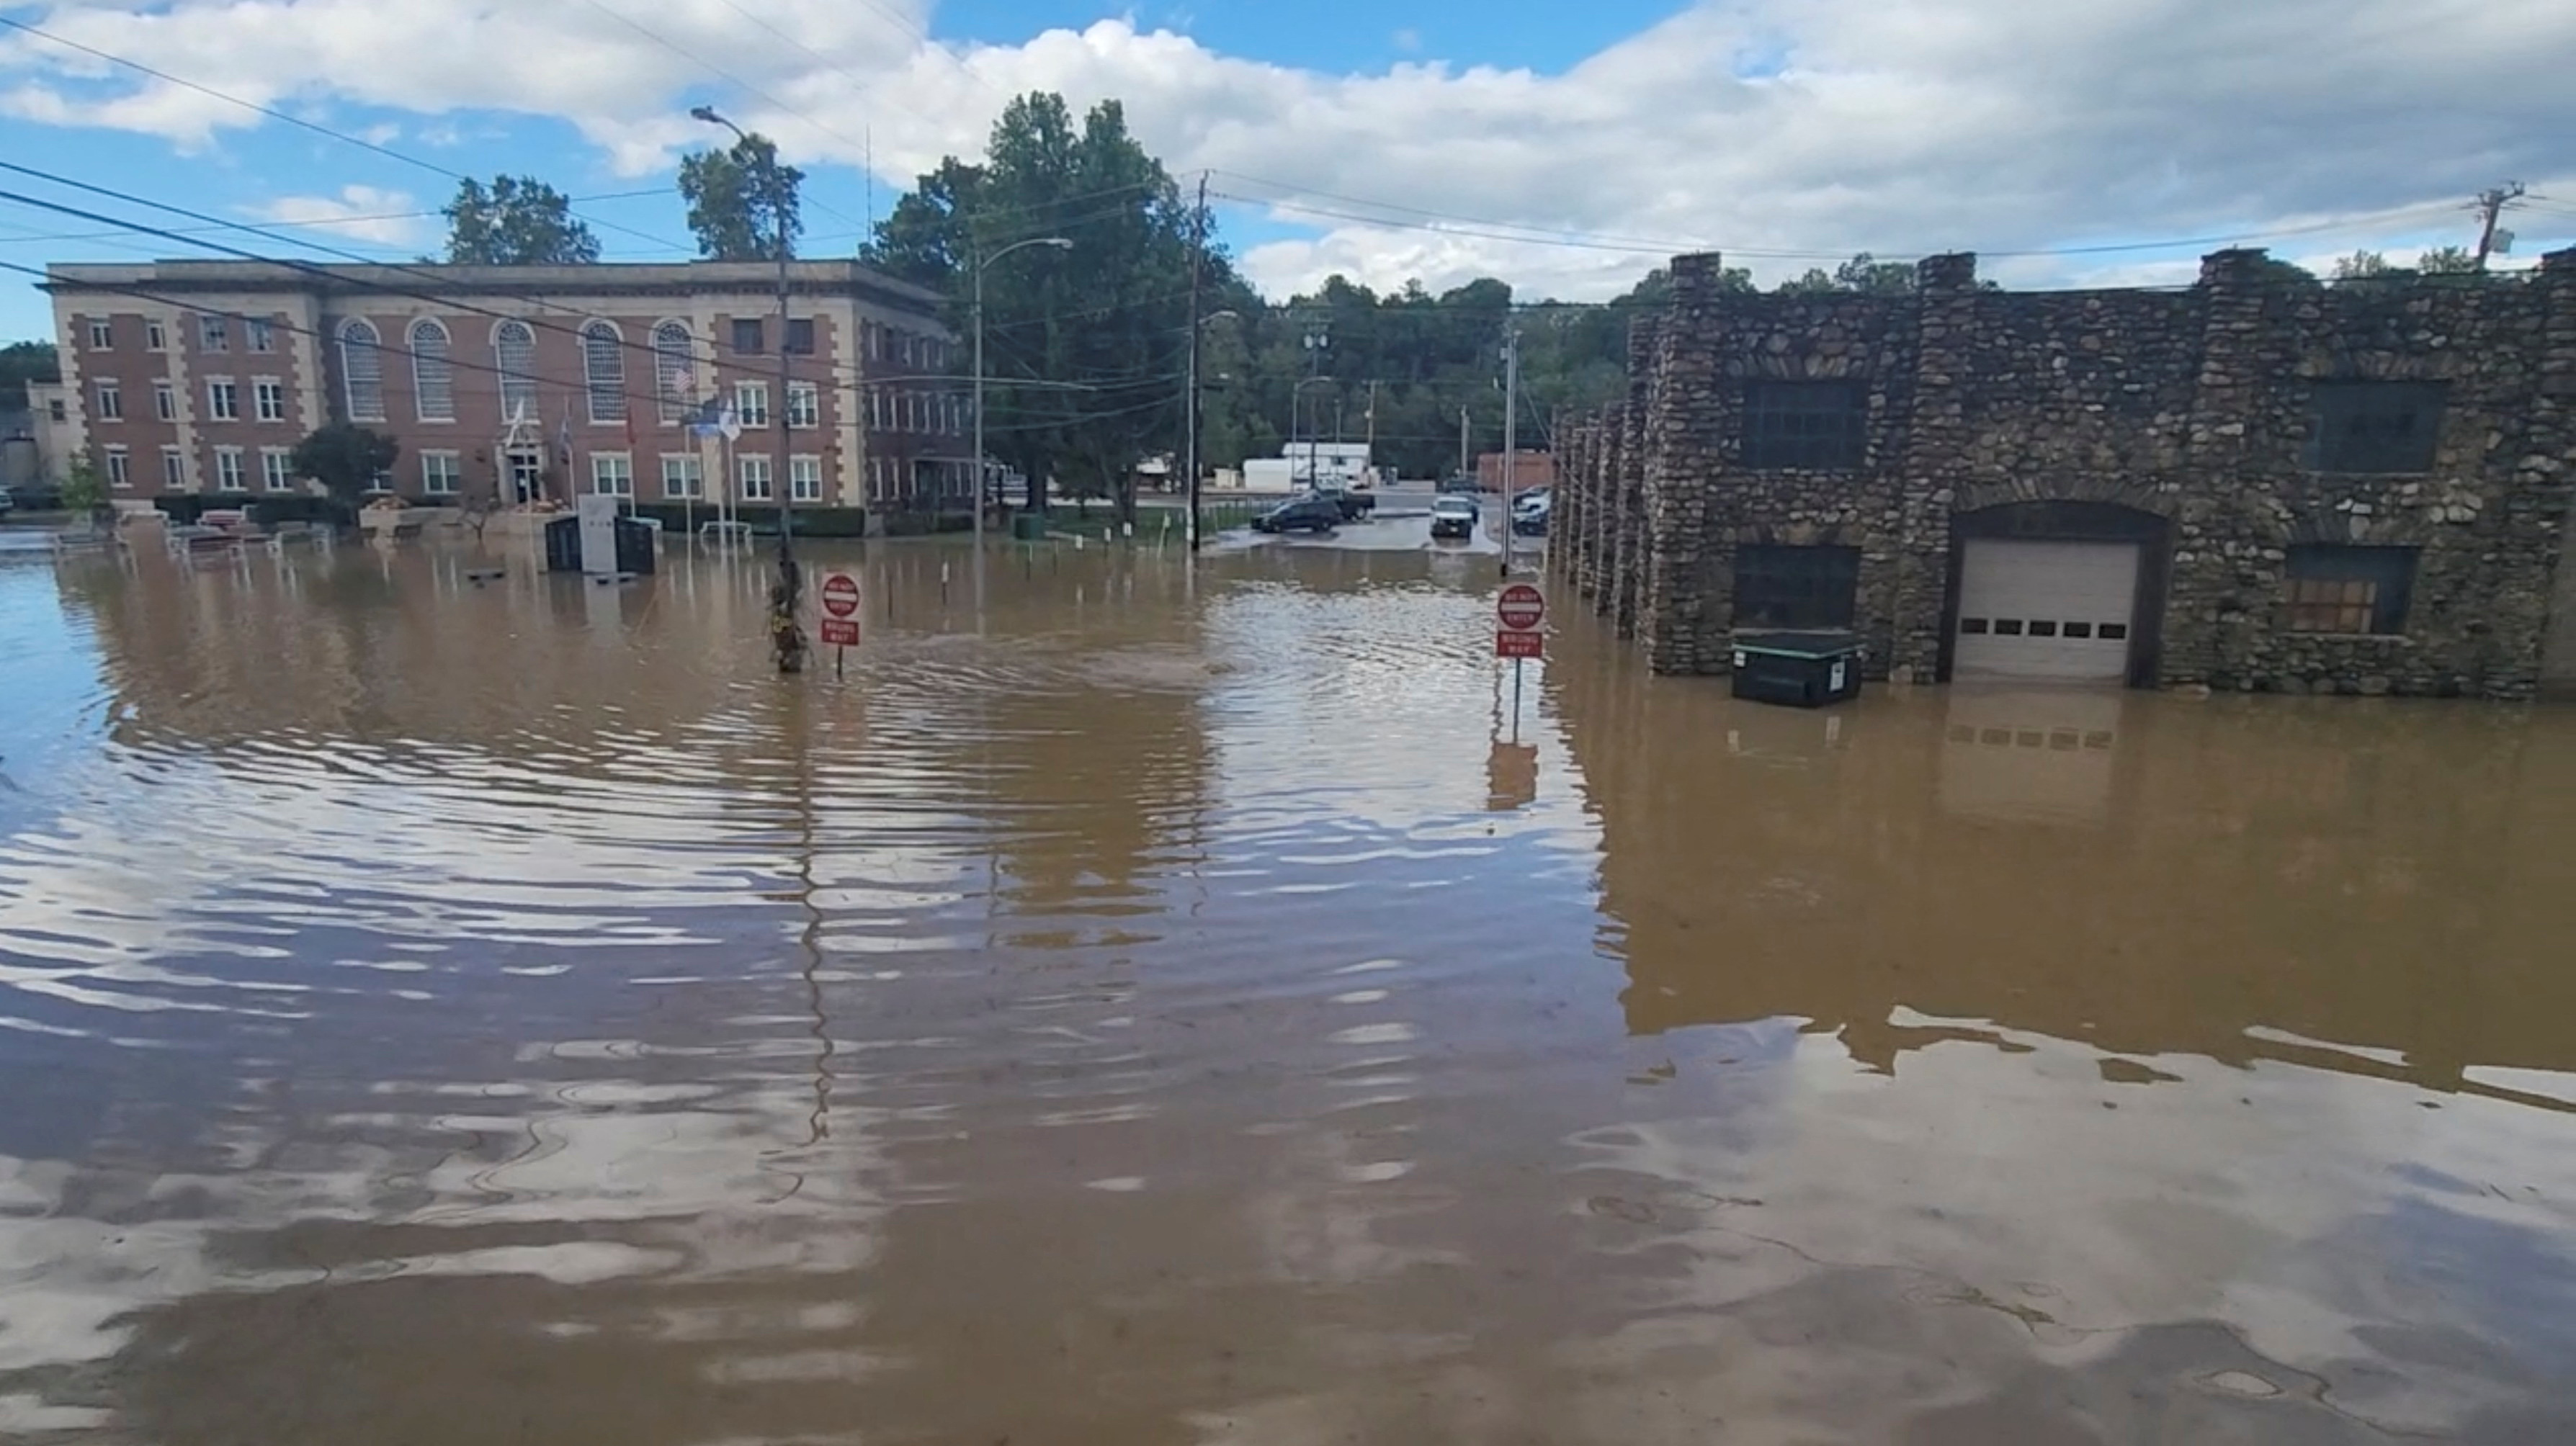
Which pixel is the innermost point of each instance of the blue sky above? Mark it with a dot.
(1566, 148)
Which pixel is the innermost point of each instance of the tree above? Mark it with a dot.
(347, 459)
(2448, 261)
(1085, 345)
(1862, 274)
(22, 362)
(84, 491)
(740, 198)
(515, 221)
(2363, 266)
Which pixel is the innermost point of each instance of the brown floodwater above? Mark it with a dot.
(1166, 1007)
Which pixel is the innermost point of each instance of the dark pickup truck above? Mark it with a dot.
(1354, 505)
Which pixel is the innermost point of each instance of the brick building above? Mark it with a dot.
(2256, 483)
(201, 376)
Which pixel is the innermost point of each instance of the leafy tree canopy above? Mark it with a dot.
(741, 199)
(346, 459)
(22, 362)
(515, 221)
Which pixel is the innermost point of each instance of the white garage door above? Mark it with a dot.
(2046, 609)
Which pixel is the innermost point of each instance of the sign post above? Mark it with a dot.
(840, 599)
(1519, 611)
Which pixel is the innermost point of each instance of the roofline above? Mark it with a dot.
(641, 278)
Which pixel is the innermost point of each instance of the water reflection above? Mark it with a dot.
(1173, 1008)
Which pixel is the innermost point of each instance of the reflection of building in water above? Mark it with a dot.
(2389, 877)
(2042, 754)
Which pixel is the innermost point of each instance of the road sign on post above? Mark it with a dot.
(1519, 610)
(839, 596)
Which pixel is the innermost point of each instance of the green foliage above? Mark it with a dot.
(741, 199)
(2447, 261)
(1862, 274)
(22, 362)
(2362, 266)
(84, 490)
(346, 459)
(515, 221)
(1085, 345)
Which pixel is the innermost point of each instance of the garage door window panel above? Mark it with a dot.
(2359, 590)
(1810, 425)
(1796, 587)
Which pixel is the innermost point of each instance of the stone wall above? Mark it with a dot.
(2187, 413)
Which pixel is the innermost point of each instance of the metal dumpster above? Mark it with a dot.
(1800, 670)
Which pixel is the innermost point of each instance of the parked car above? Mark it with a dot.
(1524, 501)
(1459, 482)
(1531, 521)
(1310, 513)
(7, 503)
(1453, 516)
(1353, 505)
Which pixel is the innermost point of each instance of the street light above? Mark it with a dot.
(1059, 243)
(786, 632)
(1190, 449)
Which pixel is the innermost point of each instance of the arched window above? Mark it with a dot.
(362, 371)
(433, 377)
(603, 369)
(514, 350)
(673, 380)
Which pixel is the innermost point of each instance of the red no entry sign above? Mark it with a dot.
(1520, 608)
(840, 595)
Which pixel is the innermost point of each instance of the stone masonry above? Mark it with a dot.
(2188, 413)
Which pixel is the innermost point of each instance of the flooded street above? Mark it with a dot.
(1171, 1010)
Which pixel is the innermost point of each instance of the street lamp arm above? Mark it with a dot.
(1060, 243)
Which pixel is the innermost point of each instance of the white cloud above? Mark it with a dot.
(1759, 127)
(360, 213)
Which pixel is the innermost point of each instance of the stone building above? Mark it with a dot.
(2254, 483)
(201, 376)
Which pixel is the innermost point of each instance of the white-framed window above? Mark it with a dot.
(268, 399)
(362, 370)
(440, 473)
(804, 405)
(155, 336)
(755, 478)
(612, 474)
(223, 400)
(120, 467)
(804, 479)
(258, 334)
(683, 477)
(276, 469)
(603, 371)
(165, 401)
(230, 476)
(111, 403)
(751, 403)
(514, 351)
(433, 376)
(213, 334)
(174, 469)
(673, 358)
(102, 337)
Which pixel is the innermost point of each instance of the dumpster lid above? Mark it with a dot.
(1821, 643)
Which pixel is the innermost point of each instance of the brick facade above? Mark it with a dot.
(2186, 421)
(577, 377)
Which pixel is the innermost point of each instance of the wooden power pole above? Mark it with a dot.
(2491, 204)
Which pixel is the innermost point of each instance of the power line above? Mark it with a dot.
(275, 114)
(33, 238)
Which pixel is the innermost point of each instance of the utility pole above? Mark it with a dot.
(1372, 426)
(1190, 408)
(1462, 443)
(1511, 421)
(786, 596)
(2490, 208)
(1316, 341)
